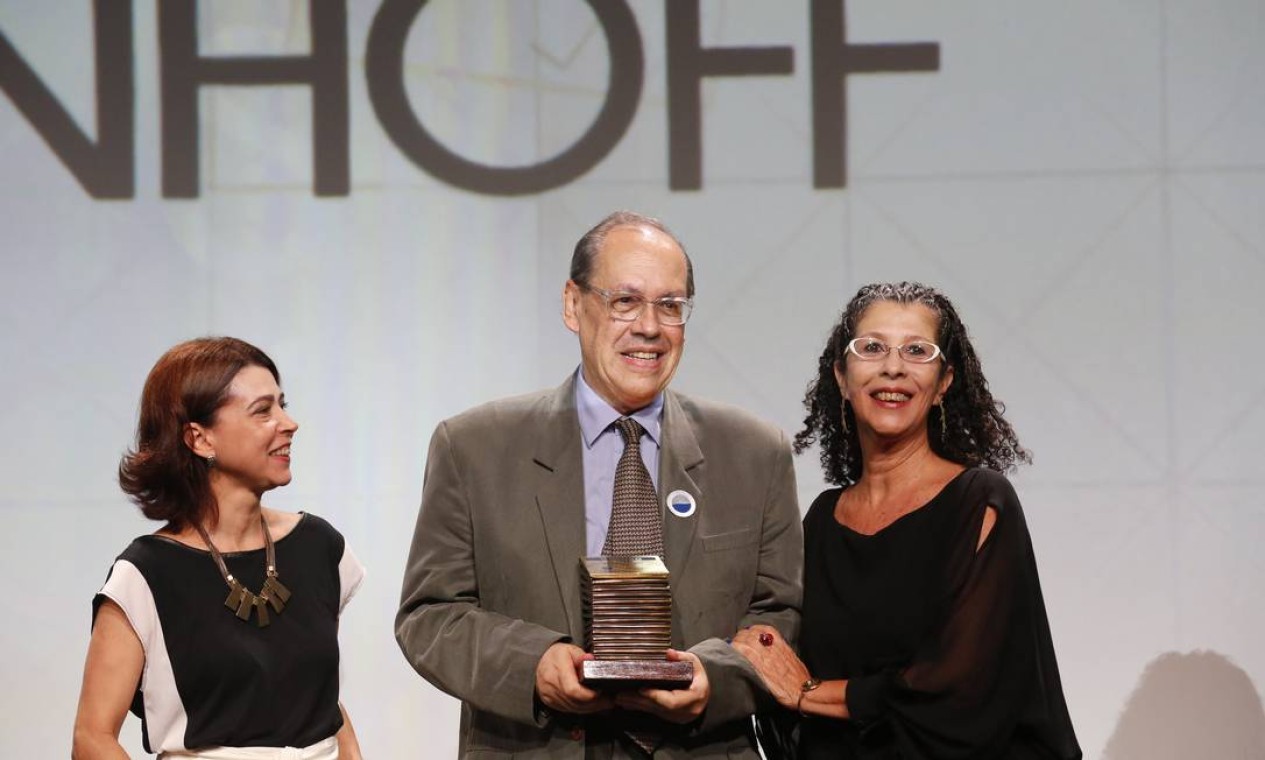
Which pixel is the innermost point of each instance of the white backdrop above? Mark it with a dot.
(1083, 178)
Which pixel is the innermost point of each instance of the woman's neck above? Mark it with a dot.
(896, 478)
(889, 463)
(237, 525)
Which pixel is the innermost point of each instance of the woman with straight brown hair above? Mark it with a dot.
(219, 630)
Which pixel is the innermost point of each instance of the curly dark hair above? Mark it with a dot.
(978, 435)
(188, 384)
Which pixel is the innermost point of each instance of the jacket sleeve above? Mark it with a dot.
(483, 658)
(736, 688)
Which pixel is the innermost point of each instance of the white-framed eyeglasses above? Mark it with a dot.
(628, 307)
(873, 349)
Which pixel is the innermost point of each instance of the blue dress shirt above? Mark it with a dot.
(603, 446)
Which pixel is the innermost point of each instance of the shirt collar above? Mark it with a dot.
(596, 415)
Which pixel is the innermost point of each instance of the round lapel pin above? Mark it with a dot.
(681, 503)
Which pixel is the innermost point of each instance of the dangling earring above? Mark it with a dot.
(944, 424)
(210, 462)
(843, 416)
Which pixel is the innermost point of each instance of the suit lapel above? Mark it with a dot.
(680, 469)
(560, 497)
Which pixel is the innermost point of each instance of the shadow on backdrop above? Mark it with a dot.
(1188, 706)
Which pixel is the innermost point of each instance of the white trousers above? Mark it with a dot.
(322, 750)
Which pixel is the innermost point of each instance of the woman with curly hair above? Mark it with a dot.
(924, 632)
(219, 630)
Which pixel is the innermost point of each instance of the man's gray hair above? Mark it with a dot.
(587, 247)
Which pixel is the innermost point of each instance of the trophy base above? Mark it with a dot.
(636, 674)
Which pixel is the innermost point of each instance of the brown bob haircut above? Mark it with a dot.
(188, 384)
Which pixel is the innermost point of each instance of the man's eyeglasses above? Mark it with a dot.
(628, 307)
(873, 349)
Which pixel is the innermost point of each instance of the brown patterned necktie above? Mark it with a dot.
(636, 526)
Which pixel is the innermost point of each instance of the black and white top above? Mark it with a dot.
(211, 679)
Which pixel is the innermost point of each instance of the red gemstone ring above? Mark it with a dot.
(766, 639)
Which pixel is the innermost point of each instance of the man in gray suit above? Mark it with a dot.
(516, 491)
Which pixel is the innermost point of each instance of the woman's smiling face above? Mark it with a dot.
(891, 396)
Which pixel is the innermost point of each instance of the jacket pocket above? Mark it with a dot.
(732, 540)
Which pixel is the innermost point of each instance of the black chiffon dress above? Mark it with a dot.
(946, 649)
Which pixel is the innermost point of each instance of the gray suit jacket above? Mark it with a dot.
(493, 574)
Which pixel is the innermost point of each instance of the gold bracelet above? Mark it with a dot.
(804, 688)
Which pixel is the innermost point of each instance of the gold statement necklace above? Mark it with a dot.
(240, 599)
